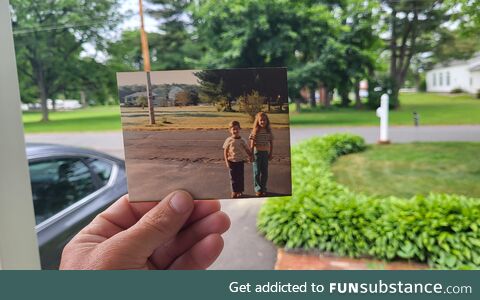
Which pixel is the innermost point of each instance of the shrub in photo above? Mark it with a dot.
(142, 101)
(251, 104)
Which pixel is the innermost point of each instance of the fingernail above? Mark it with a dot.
(181, 202)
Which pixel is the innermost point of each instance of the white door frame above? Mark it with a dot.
(18, 239)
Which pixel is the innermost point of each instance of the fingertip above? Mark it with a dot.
(224, 221)
(214, 242)
(181, 202)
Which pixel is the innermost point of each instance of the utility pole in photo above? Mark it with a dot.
(146, 65)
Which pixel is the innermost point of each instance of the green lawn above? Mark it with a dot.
(434, 109)
(407, 169)
(99, 118)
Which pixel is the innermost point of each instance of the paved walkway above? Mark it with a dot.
(244, 248)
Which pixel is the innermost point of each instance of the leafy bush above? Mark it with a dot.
(142, 101)
(251, 104)
(457, 91)
(442, 230)
(422, 87)
(222, 104)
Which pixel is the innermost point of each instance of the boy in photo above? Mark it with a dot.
(236, 152)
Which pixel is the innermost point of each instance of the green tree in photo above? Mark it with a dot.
(251, 104)
(142, 101)
(212, 89)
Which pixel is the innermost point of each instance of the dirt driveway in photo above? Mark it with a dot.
(159, 162)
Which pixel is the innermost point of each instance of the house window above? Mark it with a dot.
(434, 79)
(440, 79)
(448, 78)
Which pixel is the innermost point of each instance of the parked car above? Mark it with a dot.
(70, 186)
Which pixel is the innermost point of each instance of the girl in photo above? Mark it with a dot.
(236, 152)
(261, 144)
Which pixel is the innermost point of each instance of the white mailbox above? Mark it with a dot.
(382, 113)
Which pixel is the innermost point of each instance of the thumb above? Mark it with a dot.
(158, 225)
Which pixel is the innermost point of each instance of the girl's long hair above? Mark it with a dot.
(256, 123)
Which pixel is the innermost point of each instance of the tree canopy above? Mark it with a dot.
(325, 44)
(49, 39)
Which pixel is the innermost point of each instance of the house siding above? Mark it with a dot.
(459, 75)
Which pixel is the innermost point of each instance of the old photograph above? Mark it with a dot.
(217, 134)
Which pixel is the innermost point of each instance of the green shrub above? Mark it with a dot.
(251, 104)
(457, 91)
(442, 230)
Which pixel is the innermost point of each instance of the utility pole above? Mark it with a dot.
(146, 65)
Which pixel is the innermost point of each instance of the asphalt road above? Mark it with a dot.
(244, 247)
(397, 134)
(112, 142)
(192, 160)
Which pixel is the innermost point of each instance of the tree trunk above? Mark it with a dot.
(328, 98)
(313, 103)
(83, 99)
(358, 100)
(393, 44)
(344, 96)
(43, 95)
(394, 97)
(297, 105)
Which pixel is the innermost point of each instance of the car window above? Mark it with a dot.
(102, 168)
(57, 184)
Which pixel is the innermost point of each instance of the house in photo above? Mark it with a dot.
(158, 100)
(455, 74)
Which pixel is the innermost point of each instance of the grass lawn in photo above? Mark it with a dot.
(191, 117)
(434, 109)
(405, 170)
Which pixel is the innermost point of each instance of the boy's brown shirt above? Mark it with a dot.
(237, 149)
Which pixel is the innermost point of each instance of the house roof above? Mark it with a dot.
(139, 94)
(475, 67)
(457, 62)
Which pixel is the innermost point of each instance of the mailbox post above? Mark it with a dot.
(382, 113)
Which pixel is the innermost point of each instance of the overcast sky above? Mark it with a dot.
(133, 22)
(158, 77)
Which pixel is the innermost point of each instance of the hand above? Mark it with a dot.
(227, 164)
(176, 233)
(270, 156)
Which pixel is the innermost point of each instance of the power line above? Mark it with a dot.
(56, 27)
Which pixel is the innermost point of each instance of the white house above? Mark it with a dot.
(456, 74)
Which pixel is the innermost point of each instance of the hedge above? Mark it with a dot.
(441, 230)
